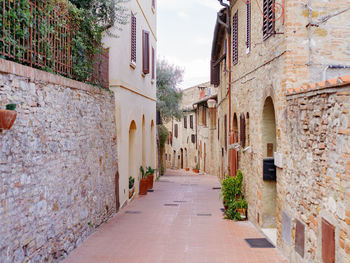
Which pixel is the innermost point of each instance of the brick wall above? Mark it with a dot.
(57, 164)
(316, 177)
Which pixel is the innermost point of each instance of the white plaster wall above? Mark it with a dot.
(135, 93)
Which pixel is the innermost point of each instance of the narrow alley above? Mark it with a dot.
(181, 221)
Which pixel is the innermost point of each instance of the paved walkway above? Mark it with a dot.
(180, 221)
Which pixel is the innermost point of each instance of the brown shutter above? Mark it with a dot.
(248, 23)
(328, 242)
(268, 18)
(145, 52)
(153, 64)
(235, 38)
(214, 74)
(242, 130)
(191, 121)
(185, 122)
(193, 138)
(133, 37)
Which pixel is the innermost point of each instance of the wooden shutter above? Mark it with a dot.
(242, 130)
(249, 24)
(153, 64)
(269, 18)
(328, 242)
(191, 121)
(185, 122)
(193, 138)
(176, 130)
(235, 38)
(133, 37)
(214, 74)
(145, 52)
(204, 116)
(225, 124)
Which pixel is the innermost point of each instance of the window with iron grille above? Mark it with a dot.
(133, 38)
(191, 121)
(145, 52)
(176, 130)
(242, 130)
(235, 38)
(269, 18)
(153, 64)
(185, 122)
(249, 14)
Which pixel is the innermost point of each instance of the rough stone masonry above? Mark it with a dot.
(57, 164)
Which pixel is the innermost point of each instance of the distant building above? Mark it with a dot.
(132, 75)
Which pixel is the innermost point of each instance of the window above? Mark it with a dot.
(185, 122)
(235, 38)
(154, 4)
(248, 25)
(225, 127)
(176, 130)
(204, 116)
(191, 121)
(242, 130)
(193, 138)
(268, 18)
(247, 129)
(153, 64)
(133, 38)
(145, 52)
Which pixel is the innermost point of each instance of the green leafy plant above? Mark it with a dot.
(11, 106)
(143, 173)
(150, 170)
(131, 182)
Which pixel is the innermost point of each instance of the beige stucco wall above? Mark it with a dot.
(135, 95)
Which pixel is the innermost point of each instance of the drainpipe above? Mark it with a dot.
(334, 67)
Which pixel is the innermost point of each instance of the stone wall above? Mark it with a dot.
(58, 164)
(316, 181)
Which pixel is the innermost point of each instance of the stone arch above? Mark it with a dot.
(132, 160)
(152, 141)
(269, 146)
(143, 141)
(233, 154)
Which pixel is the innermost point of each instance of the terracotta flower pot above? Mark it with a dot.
(150, 179)
(143, 186)
(243, 212)
(187, 169)
(7, 118)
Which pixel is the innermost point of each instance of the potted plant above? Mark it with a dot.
(233, 200)
(187, 169)
(143, 182)
(131, 186)
(8, 116)
(150, 173)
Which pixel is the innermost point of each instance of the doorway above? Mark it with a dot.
(233, 154)
(269, 146)
(182, 159)
(132, 161)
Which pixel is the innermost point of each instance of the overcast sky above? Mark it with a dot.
(185, 31)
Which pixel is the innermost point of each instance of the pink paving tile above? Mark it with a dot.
(162, 234)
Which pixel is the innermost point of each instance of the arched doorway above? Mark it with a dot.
(132, 161)
(182, 159)
(143, 141)
(152, 141)
(186, 159)
(233, 154)
(269, 146)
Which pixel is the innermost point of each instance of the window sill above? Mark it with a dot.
(132, 65)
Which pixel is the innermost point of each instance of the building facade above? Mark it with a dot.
(132, 74)
(261, 51)
(192, 141)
